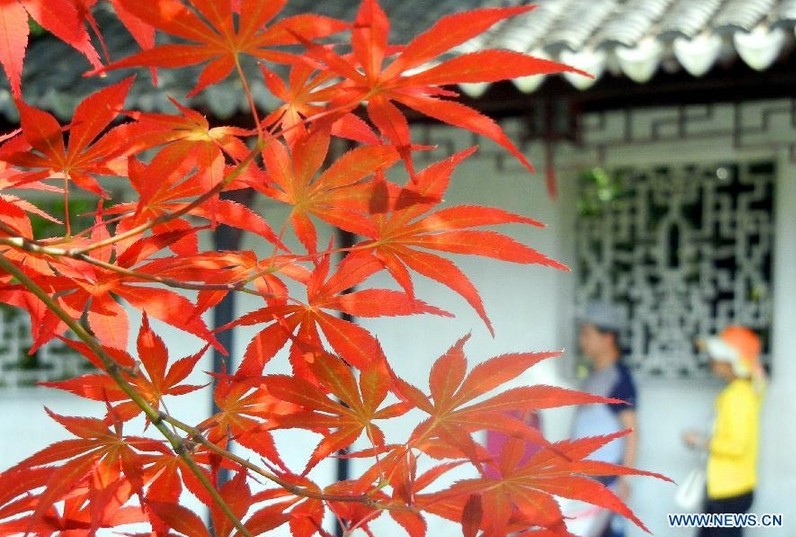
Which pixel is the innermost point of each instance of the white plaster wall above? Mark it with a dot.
(521, 300)
(777, 465)
(25, 427)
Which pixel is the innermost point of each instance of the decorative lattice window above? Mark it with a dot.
(18, 368)
(683, 249)
(54, 360)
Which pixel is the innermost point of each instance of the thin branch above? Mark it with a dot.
(196, 435)
(169, 216)
(160, 419)
(30, 246)
(114, 371)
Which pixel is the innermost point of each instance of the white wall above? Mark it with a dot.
(777, 461)
(25, 427)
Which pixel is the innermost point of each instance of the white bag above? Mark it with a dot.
(584, 519)
(691, 491)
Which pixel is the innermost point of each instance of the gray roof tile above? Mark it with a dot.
(786, 13)
(743, 14)
(687, 18)
(632, 21)
(528, 31)
(601, 29)
(582, 19)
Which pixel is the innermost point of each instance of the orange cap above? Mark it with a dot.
(739, 346)
(744, 340)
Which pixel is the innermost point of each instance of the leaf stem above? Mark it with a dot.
(247, 91)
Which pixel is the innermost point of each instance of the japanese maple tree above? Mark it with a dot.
(339, 84)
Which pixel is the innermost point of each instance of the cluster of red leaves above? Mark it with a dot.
(146, 254)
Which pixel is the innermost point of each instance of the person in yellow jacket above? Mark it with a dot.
(733, 446)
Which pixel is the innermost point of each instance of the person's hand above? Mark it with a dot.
(623, 488)
(693, 439)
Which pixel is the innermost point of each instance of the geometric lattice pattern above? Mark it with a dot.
(684, 250)
(53, 361)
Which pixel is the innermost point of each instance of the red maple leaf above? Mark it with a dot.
(84, 287)
(454, 412)
(160, 379)
(520, 496)
(246, 414)
(235, 493)
(101, 466)
(407, 79)
(348, 410)
(42, 151)
(212, 35)
(301, 323)
(403, 229)
(63, 18)
(338, 194)
(176, 192)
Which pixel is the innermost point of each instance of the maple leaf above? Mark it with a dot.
(192, 159)
(86, 287)
(209, 27)
(16, 222)
(154, 356)
(403, 229)
(395, 468)
(143, 33)
(337, 195)
(89, 152)
(158, 382)
(236, 495)
(306, 519)
(366, 78)
(229, 270)
(353, 515)
(167, 475)
(183, 180)
(166, 512)
(349, 415)
(174, 516)
(303, 514)
(520, 496)
(268, 518)
(454, 414)
(14, 28)
(13, 208)
(299, 103)
(189, 134)
(99, 460)
(246, 414)
(353, 343)
(44, 324)
(62, 18)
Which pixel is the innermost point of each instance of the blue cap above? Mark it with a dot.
(604, 315)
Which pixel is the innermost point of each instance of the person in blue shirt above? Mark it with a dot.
(598, 339)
